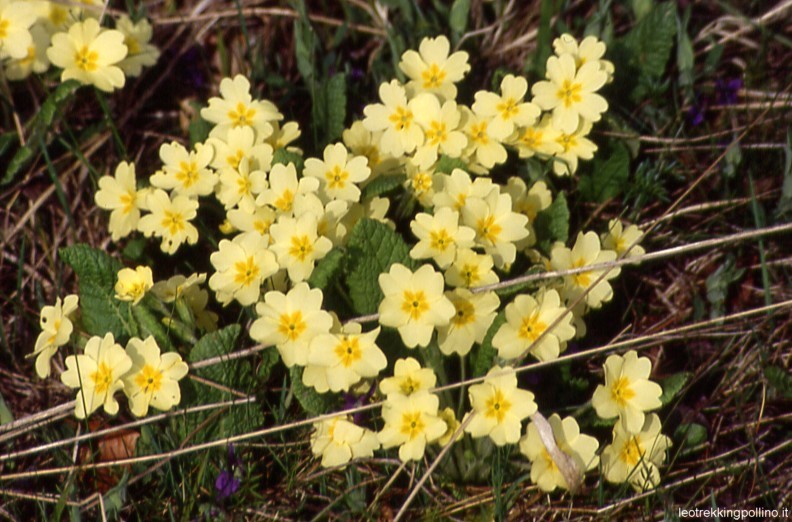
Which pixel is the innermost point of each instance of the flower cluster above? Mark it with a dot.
(35, 35)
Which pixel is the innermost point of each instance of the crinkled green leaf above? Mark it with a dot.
(5, 412)
(780, 380)
(285, 157)
(312, 401)
(326, 269)
(446, 165)
(149, 324)
(382, 185)
(482, 357)
(690, 434)
(718, 284)
(672, 386)
(199, 128)
(552, 224)
(608, 177)
(373, 247)
(651, 40)
(330, 102)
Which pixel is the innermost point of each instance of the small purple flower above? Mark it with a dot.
(726, 91)
(695, 115)
(226, 484)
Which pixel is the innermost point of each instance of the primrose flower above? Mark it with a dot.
(298, 245)
(260, 220)
(499, 407)
(483, 146)
(452, 424)
(36, 58)
(585, 252)
(408, 379)
(97, 373)
(338, 361)
(90, 55)
(338, 440)
(619, 239)
(56, 328)
(582, 449)
(440, 124)
(170, 220)
(284, 187)
(422, 184)
(570, 92)
(439, 236)
(184, 172)
(120, 195)
(241, 186)
(589, 50)
(458, 186)
(528, 203)
(239, 143)
(362, 142)
(414, 303)
(431, 69)
(411, 421)
(241, 267)
(153, 378)
(290, 321)
(473, 317)
(396, 118)
(541, 138)
(627, 392)
(338, 173)
(176, 286)
(195, 297)
(497, 226)
(507, 110)
(16, 18)
(137, 38)
(635, 457)
(574, 146)
(528, 318)
(132, 285)
(237, 108)
(470, 270)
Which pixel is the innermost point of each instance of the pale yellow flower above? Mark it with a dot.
(497, 227)
(452, 424)
(411, 421)
(574, 146)
(176, 286)
(440, 124)
(431, 69)
(439, 236)
(508, 109)
(298, 245)
(627, 392)
(241, 267)
(35, 61)
(470, 270)
(132, 285)
(422, 184)
(541, 138)
(185, 172)
(338, 440)
(260, 220)
(120, 195)
(16, 18)
(137, 38)
(589, 50)
(570, 92)
(284, 187)
(362, 142)
(291, 321)
(56, 328)
(483, 146)
(241, 187)
(170, 220)
(527, 319)
(456, 187)
(237, 108)
(499, 407)
(97, 374)
(338, 173)
(544, 470)
(90, 55)
(473, 317)
(337, 361)
(153, 378)
(586, 251)
(283, 135)
(635, 457)
(396, 118)
(239, 143)
(408, 378)
(414, 303)
(618, 238)
(528, 203)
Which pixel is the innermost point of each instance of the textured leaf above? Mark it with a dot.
(382, 185)
(779, 379)
(326, 269)
(332, 102)
(651, 40)
(672, 385)
(285, 157)
(373, 248)
(458, 19)
(5, 412)
(691, 434)
(447, 164)
(213, 344)
(312, 402)
(609, 177)
(149, 324)
(483, 356)
(552, 224)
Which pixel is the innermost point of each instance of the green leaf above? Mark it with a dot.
(149, 324)
(199, 128)
(382, 185)
(690, 434)
(304, 43)
(312, 402)
(6, 140)
(672, 385)
(216, 343)
(97, 272)
(285, 157)
(331, 102)
(718, 284)
(482, 357)
(552, 224)
(446, 165)
(609, 177)
(373, 248)
(326, 269)
(5, 412)
(780, 380)
(458, 18)
(651, 40)
(21, 158)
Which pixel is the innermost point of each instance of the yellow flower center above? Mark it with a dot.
(262, 226)
(422, 182)
(409, 386)
(241, 115)
(57, 15)
(28, 59)
(549, 462)
(508, 108)
(460, 201)
(243, 186)
(433, 77)
(127, 201)
(497, 406)
(373, 155)
(632, 452)
(567, 141)
(234, 159)
(440, 239)
(531, 138)
(488, 229)
(292, 325)
(301, 248)
(149, 379)
(569, 93)
(412, 424)
(583, 279)
(173, 222)
(3, 28)
(285, 201)
(348, 351)
(401, 118)
(414, 304)
(102, 378)
(621, 392)
(336, 178)
(246, 272)
(619, 244)
(86, 59)
(133, 45)
(478, 133)
(465, 313)
(470, 274)
(188, 173)
(531, 327)
(436, 133)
